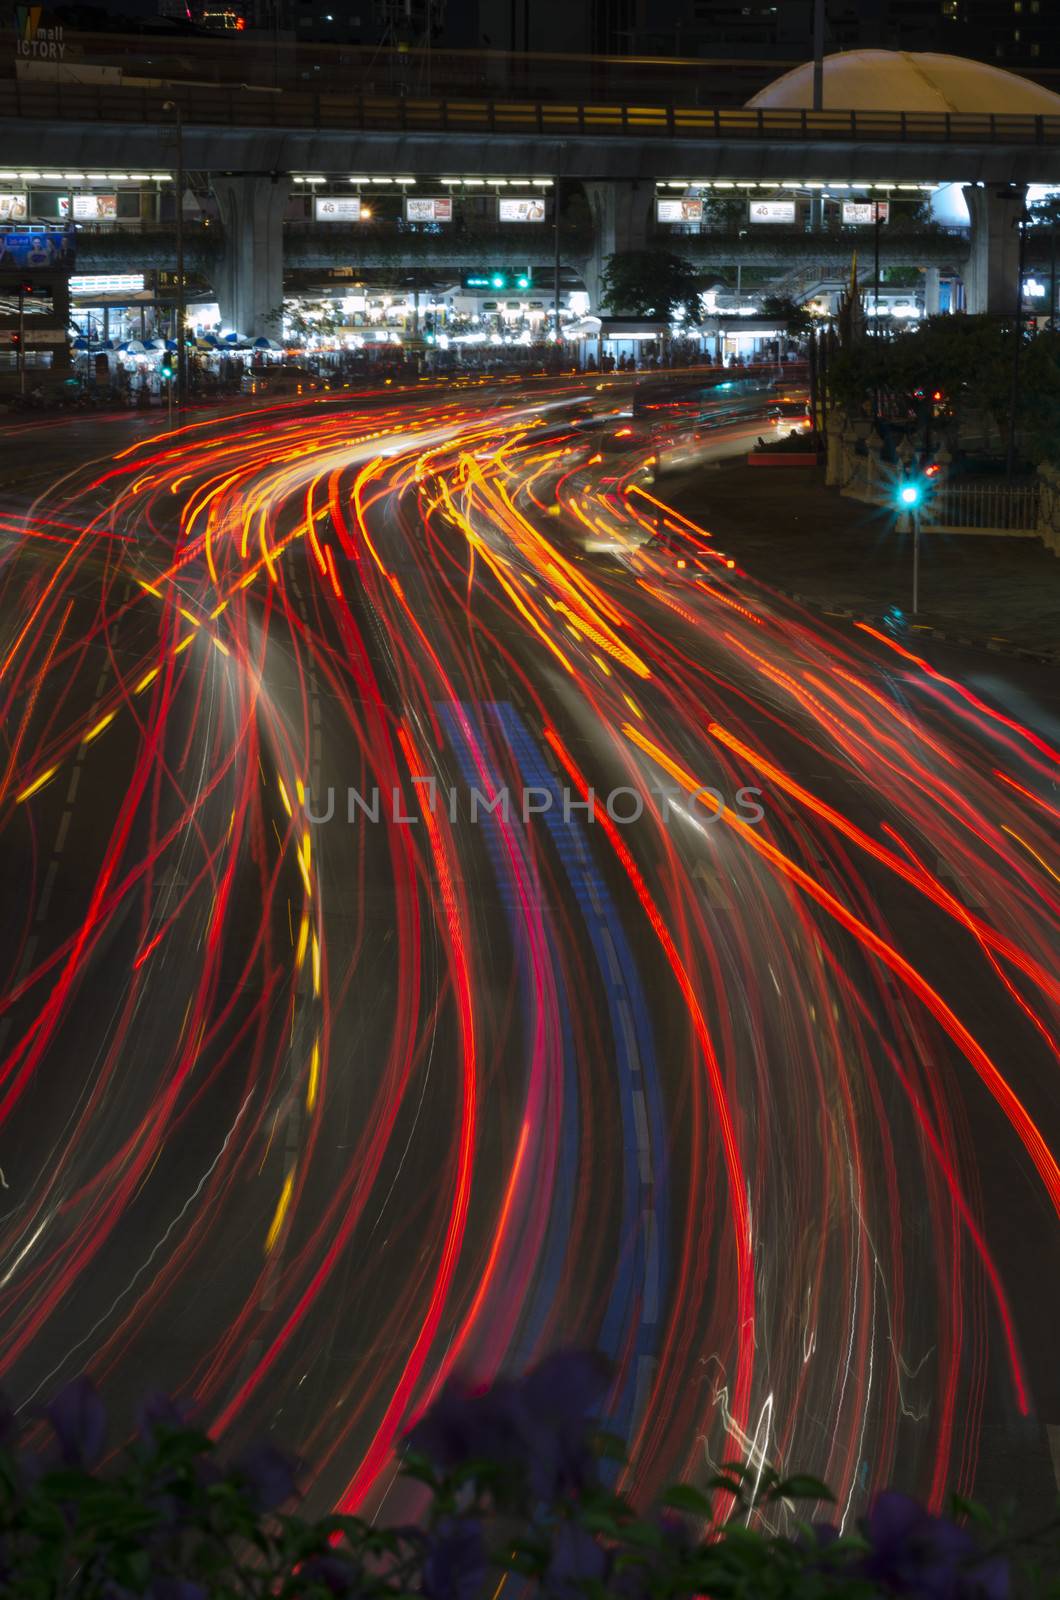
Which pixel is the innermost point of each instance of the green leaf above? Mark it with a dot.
(801, 1487)
(683, 1497)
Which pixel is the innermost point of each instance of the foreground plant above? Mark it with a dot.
(515, 1485)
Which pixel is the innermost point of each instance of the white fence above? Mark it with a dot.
(984, 508)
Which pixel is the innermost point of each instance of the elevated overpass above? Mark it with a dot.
(371, 247)
(249, 140)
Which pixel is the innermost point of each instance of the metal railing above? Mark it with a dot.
(243, 108)
(1007, 507)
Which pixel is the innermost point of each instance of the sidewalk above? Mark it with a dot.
(787, 529)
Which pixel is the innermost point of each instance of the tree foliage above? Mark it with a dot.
(969, 362)
(514, 1483)
(793, 317)
(651, 283)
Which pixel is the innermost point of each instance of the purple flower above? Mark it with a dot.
(559, 1397)
(269, 1476)
(925, 1557)
(539, 1425)
(159, 1411)
(79, 1421)
(471, 1425)
(454, 1562)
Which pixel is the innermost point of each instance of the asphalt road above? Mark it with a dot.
(341, 1045)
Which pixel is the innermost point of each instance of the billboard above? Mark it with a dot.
(13, 208)
(336, 208)
(856, 212)
(418, 209)
(771, 211)
(530, 209)
(679, 210)
(91, 207)
(37, 247)
(108, 283)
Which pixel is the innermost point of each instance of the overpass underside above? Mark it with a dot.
(251, 141)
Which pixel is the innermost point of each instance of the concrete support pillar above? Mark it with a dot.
(931, 291)
(250, 275)
(61, 309)
(993, 262)
(620, 222)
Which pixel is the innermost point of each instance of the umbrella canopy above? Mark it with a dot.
(156, 344)
(267, 344)
(81, 343)
(134, 347)
(233, 338)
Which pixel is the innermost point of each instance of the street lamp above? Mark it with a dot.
(910, 496)
(182, 349)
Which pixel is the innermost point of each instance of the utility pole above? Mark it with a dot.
(556, 197)
(182, 349)
(21, 338)
(816, 201)
(1010, 461)
(818, 55)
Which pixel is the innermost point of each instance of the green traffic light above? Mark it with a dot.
(497, 281)
(909, 494)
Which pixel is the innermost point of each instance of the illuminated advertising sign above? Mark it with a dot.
(108, 283)
(679, 210)
(13, 208)
(332, 208)
(37, 247)
(419, 209)
(530, 209)
(772, 211)
(857, 212)
(91, 207)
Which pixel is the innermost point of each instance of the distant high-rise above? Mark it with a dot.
(1017, 33)
(1021, 34)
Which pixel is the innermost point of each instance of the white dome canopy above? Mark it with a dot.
(901, 80)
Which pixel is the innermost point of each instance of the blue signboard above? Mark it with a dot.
(38, 247)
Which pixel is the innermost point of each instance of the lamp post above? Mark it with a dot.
(1010, 454)
(909, 497)
(182, 350)
(556, 259)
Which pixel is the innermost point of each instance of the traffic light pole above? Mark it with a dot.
(21, 342)
(916, 559)
(182, 351)
(556, 260)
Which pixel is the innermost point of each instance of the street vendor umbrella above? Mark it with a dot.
(133, 348)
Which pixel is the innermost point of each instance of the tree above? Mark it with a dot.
(968, 362)
(651, 283)
(725, 213)
(794, 318)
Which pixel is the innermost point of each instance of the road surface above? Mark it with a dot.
(452, 911)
